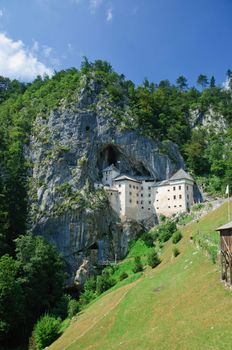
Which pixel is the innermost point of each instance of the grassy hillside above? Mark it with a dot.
(179, 305)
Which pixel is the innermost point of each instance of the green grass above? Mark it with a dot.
(181, 304)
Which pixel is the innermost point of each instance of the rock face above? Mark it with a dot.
(69, 149)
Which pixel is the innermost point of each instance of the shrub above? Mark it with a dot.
(73, 308)
(176, 237)
(104, 282)
(148, 239)
(90, 284)
(162, 218)
(138, 266)
(175, 251)
(165, 231)
(153, 260)
(86, 297)
(123, 276)
(46, 331)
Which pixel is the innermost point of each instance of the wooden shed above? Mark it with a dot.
(226, 251)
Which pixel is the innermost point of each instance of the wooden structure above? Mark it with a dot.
(226, 252)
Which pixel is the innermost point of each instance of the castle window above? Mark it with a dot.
(137, 202)
(141, 202)
(180, 196)
(174, 197)
(119, 185)
(187, 187)
(111, 193)
(137, 194)
(157, 208)
(141, 187)
(157, 200)
(142, 207)
(137, 187)
(149, 188)
(130, 193)
(149, 208)
(187, 196)
(130, 186)
(180, 206)
(174, 206)
(149, 195)
(106, 178)
(87, 128)
(169, 207)
(174, 188)
(130, 201)
(149, 202)
(157, 192)
(179, 187)
(141, 195)
(168, 199)
(133, 186)
(168, 190)
(120, 192)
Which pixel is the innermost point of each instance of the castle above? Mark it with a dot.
(141, 198)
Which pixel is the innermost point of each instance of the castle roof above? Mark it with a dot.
(110, 168)
(225, 227)
(126, 178)
(181, 174)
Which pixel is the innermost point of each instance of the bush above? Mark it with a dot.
(148, 239)
(175, 251)
(165, 231)
(90, 284)
(162, 218)
(123, 276)
(46, 331)
(73, 308)
(104, 282)
(86, 297)
(176, 237)
(153, 260)
(138, 266)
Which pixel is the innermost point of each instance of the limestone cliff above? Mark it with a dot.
(69, 149)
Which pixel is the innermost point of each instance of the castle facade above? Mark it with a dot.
(140, 198)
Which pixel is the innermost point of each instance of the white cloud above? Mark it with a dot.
(109, 15)
(1, 13)
(94, 4)
(17, 61)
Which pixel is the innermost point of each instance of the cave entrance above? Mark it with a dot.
(108, 156)
(111, 156)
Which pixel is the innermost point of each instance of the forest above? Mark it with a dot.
(31, 271)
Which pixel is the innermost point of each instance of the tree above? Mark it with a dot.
(138, 266)
(202, 80)
(11, 303)
(41, 272)
(182, 82)
(46, 331)
(212, 82)
(153, 259)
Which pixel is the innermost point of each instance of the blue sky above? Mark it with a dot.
(157, 39)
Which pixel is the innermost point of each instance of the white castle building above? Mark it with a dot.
(141, 198)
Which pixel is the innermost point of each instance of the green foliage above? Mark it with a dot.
(153, 259)
(123, 276)
(12, 301)
(165, 231)
(176, 237)
(104, 282)
(73, 307)
(46, 331)
(175, 251)
(138, 266)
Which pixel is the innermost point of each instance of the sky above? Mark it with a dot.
(154, 39)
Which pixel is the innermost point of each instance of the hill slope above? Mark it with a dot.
(180, 305)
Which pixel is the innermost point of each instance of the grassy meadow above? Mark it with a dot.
(181, 304)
